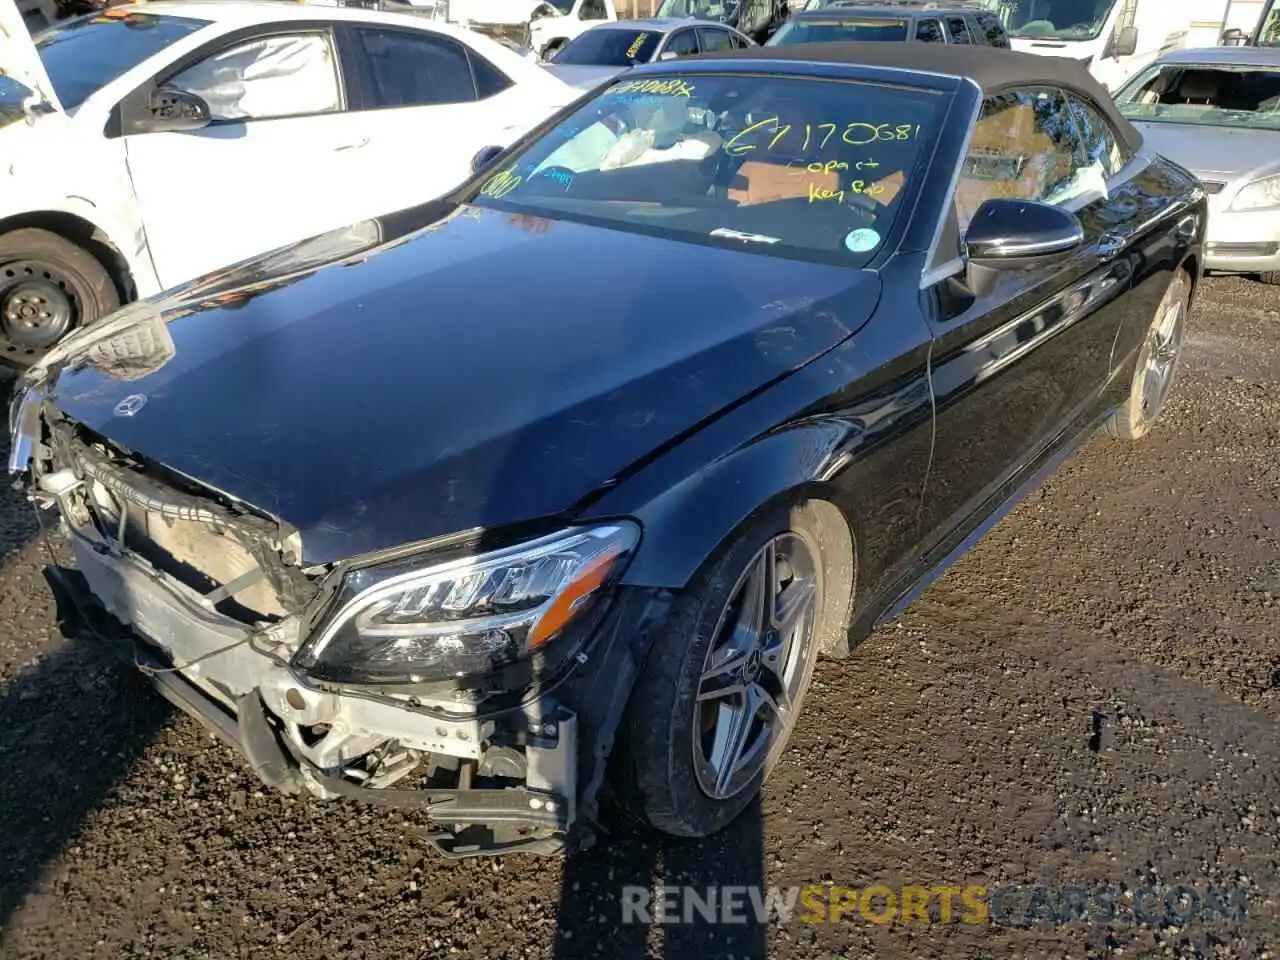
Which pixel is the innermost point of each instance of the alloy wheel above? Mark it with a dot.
(756, 667)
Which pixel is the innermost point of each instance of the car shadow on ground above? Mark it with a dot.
(71, 727)
(73, 721)
(630, 866)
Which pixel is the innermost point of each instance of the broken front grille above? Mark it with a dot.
(234, 559)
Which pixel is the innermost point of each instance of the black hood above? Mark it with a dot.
(391, 383)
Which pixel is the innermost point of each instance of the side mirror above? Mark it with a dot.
(1235, 37)
(483, 158)
(176, 111)
(1012, 234)
(668, 55)
(1125, 43)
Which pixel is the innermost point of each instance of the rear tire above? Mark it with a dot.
(1157, 365)
(1272, 277)
(49, 286)
(708, 667)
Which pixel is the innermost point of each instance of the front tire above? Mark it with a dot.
(724, 682)
(1271, 277)
(48, 287)
(1157, 365)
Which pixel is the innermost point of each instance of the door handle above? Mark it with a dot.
(1110, 246)
(355, 145)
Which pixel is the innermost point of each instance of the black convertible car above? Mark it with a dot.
(566, 481)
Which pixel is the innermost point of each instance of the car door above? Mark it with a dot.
(1019, 366)
(263, 172)
(428, 103)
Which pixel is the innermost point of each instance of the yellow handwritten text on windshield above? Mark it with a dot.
(501, 183)
(673, 87)
(773, 133)
(636, 44)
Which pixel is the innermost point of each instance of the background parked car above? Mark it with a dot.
(1216, 111)
(1113, 38)
(605, 51)
(758, 19)
(181, 137)
(894, 23)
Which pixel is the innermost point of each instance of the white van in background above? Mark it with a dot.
(1116, 38)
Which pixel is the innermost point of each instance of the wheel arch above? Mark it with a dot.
(687, 525)
(86, 235)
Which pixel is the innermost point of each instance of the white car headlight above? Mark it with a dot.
(24, 426)
(1262, 194)
(406, 622)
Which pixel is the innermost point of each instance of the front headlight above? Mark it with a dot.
(465, 618)
(1262, 194)
(24, 426)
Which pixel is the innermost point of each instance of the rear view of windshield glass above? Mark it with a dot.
(604, 47)
(810, 167)
(82, 56)
(821, 31)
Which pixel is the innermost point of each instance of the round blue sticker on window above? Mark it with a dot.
(860, 241)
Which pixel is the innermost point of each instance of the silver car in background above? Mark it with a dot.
(603, 52)
(1216, 111)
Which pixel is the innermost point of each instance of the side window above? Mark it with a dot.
(713, 40)
(1024, 148)
(281, 76)
(682, 44)
(994, 31)
(490, 81)
(739, 43)
(1100, 147)
(930, 31)
(593, 10)
(957, 30)
(415, 69)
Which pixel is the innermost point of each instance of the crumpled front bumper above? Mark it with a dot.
(551, 745)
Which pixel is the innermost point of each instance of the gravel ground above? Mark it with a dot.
(1091, 697)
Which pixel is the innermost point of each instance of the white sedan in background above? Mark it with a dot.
(151, 144)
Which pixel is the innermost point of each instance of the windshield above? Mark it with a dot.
(1207, 94)
(722, 10)
(1053, 19)
(819, 31)
(82, 56)
(609, 47)
(799, 167)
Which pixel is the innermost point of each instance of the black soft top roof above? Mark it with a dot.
(991, 68)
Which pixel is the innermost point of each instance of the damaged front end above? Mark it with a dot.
(479, 683)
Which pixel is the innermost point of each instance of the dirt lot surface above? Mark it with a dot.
(1090, 698)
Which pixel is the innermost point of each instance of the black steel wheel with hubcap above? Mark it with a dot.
(723, 684)
(48, 287)
(1157, 364)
